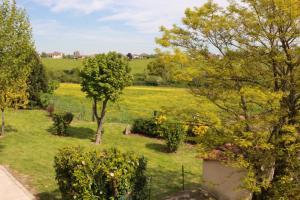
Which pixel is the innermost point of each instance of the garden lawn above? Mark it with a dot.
(29, 149)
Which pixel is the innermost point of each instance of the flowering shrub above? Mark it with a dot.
(99, 175)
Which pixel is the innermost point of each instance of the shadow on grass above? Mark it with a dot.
(165, 182)
(81, 133)
(9, 129)
(55, 195)
(157, 147)
(76, 132)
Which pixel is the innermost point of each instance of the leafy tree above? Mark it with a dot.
(103, 79)
(16, 46)
(37, 81)
(169, 66)
(129, 56)
(44, 55)
(253, 82)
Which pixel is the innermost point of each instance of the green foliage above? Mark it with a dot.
(103, 78)
(16, 48)
(61, 122)
(37, 81)
(104, 175)
(174, 135)
(153, 80)
(65, 76)
(52, 86)
(147, 127)
(46, 99)
(254, 82)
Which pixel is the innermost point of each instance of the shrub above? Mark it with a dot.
(45, 99)
(174, 134)
(148, 127)
(153, 80)
(99, 175)
(62, 121)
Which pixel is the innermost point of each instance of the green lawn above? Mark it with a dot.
(29, 147)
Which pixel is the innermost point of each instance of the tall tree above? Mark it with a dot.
(254, 82)
(103, 79)
(16, 46)
(37, 81)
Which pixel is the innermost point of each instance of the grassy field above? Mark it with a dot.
(29, 147)
(61, 64)
(137, 66)
(136, 102)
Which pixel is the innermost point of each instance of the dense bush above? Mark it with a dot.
(100, 175)
(174, 134)
(153, 80)
(61, 122)
(148, 127)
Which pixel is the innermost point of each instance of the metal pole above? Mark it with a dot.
(150, 179)
(182, 177)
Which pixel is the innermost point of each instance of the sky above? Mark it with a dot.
(97, 26)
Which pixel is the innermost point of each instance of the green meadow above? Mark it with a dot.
(29, 146)
(137, 66)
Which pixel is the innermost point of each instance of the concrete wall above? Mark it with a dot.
(223, 181)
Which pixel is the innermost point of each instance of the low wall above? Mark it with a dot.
(224, 181)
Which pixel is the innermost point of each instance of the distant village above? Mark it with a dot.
(78, 55)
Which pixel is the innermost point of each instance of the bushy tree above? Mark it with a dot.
(16, 47)
(253, 80)
(37, 81)
(103, 79)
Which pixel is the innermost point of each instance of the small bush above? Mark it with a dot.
(45, 99)
(174, 135)
(61, 122)
(148, 127)
(153, 80)
(99, 175)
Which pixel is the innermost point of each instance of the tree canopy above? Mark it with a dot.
(248, 66)
(103, 79)
(16, 47)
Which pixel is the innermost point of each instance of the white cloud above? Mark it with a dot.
(144, 15)
(51, 35)
(85, 6)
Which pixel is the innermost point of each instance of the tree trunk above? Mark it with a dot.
(3, 123)
(100, 122)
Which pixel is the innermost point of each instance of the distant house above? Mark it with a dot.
(56, 55)
(136, 56)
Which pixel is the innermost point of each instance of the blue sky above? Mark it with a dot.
(94, 26)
